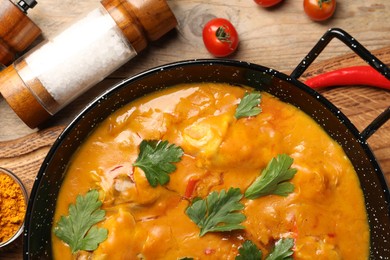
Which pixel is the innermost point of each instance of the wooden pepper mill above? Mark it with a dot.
(59, 70)
(17, 31)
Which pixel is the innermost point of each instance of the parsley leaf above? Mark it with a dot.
(156, 159)
(249, 251)
(78, 229)
(282, 250)
(249, 105)
(273, 179)
(218, 212)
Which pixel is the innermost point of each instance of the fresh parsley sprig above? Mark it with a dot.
(79, 229)
(282, 250)
(273, 179)
(218, 211)
(249, 105)
(156, 159)
(249, 251)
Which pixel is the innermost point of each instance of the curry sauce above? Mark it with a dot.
(325, 214)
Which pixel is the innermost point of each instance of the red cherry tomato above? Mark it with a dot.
(267, 3)
(319, 10)
(220, 37)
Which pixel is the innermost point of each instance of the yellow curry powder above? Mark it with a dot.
(12, 207)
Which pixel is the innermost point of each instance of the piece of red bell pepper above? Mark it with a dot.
(356, 75)
(190, 188)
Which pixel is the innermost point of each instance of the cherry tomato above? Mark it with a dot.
(220, 37)
(319, 10)
(267, 3)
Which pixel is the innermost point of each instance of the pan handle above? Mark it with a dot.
(361, 51)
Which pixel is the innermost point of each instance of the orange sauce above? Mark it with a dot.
(325, 214)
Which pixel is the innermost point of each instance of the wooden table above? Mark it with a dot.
(278, 38)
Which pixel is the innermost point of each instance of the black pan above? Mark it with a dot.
(37, 233)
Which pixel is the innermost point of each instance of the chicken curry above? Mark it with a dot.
(210, 171)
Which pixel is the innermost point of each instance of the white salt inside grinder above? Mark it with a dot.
(80, 56)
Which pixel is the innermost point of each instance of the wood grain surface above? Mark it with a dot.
(278, 38)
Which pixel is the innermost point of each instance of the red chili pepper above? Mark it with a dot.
(190, 188)
(357, 75)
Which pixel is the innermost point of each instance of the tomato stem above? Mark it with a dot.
(222, 35)
(322, 1)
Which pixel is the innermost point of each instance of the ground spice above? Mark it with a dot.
(12, 207)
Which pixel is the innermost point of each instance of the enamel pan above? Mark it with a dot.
(39, 218)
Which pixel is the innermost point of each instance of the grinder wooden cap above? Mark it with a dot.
(17, 31)
(141, 21)
(20, 98)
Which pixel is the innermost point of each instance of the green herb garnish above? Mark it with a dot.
(282, 250)
(156, 159)
(249, 251)
(218, 212)
(78, 229)
(273, 179)
(249, 105)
